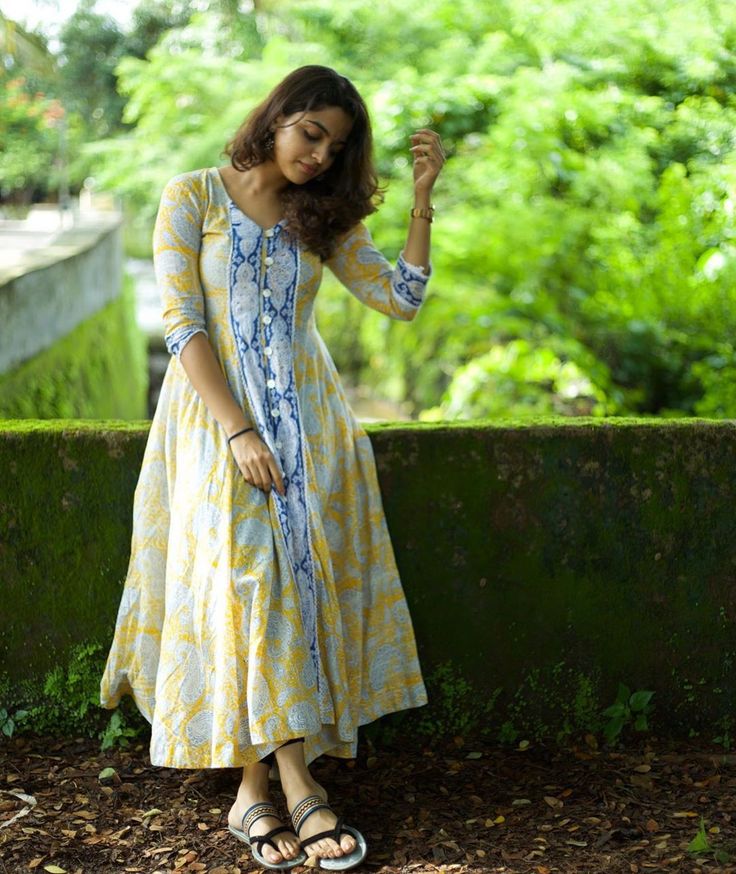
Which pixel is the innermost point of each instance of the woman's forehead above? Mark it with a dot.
(333, 120)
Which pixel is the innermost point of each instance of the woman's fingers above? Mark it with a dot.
(427, 146)
(257, 464)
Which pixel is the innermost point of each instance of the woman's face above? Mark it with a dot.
(307, 143)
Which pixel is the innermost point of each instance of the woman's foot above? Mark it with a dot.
(298, 783)
(254, 788)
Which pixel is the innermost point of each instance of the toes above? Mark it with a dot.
(293, 850)
(289, 849)
(348, 844)
(327, 849)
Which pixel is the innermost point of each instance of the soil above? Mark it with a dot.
(455, 806)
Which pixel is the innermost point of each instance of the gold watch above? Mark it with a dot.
(419, 212)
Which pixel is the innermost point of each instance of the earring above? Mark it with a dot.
(268, 142)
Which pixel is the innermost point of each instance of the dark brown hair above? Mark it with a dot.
(322, 209)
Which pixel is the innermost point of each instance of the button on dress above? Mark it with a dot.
(247, 619)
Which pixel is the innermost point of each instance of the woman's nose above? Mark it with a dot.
(320, 153)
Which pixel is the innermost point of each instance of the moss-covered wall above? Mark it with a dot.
(99, 370)
(552, 560)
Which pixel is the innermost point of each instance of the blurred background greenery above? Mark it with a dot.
(583, 247)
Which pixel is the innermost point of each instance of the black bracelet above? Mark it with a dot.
(238, 433)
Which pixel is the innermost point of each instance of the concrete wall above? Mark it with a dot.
(47, 292)
(550, 560)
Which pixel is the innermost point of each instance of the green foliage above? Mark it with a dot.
(91, 47)
(66, 703)
(29, 138)
(557, 702)
(8, 721)
(725, 738)
(583, 252)
(700, 845)
(455, 708)
(629, 709)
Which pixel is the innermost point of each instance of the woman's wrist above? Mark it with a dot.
(422, 199)
(240, 433)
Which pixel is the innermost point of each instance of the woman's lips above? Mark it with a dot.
(307, 168)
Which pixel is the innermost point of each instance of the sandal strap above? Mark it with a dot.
(333, 833)
(260, 840)
(305, 808)
(255, 812)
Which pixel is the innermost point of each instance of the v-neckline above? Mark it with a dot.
(240, 210)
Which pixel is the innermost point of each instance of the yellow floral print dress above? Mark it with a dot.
(247, 619)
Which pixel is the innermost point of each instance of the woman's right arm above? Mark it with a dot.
(253, 457)
(176, 244)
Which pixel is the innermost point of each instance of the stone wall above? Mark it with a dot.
(550, 560)
(50, 291)
(69, 342)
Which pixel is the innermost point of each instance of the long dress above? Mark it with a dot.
(247, 619)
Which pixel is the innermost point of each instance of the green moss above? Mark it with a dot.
(66, 516)
(99, 370)
(550, 562)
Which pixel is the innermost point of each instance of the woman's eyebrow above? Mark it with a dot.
(322, 127)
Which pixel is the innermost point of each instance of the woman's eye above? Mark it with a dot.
(311, 137)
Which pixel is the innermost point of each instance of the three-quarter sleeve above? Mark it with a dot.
(394, 291)
(176, 242)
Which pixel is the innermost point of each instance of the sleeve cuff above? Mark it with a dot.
(178, 339)
(417, 272)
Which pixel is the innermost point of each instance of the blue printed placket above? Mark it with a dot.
(264, 276)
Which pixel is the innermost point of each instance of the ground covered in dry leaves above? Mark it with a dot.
(454, 807)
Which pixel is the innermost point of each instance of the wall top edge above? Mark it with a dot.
(64, 245)
(15, 427)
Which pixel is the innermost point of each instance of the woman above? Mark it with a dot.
(262, 619)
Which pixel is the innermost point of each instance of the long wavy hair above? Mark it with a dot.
(326, 207)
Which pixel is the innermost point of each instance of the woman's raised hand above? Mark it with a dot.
(429, 156)
(256, 462)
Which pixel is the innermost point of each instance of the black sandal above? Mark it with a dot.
(252, 814)
(304, 809)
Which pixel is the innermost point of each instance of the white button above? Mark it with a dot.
(275, 414)
(267, 292)
(269, 233)
(267, 320)
(279, 444)
(268, 261)
(268, 351)
(271, 383)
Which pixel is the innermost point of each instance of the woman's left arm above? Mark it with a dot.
(429, 157)
(395, 291)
